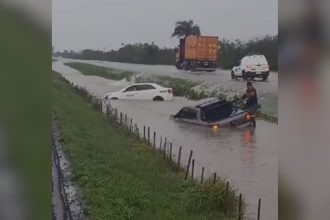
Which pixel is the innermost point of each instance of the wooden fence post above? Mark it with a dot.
(189, 160)
(202, 176)
(154, 145)
(259, 209)
(144, 132)
(240, 207)
(192, 168)
(131, 126)
(164, 152)
(171, 151)
(179, 156)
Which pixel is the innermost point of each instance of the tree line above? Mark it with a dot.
(130, 53)
(230, 52)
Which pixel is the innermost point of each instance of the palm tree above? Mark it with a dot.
(186, 28)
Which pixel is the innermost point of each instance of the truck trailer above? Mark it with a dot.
(197, 53)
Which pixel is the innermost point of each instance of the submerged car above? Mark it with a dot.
(214, 112)
(142, 91)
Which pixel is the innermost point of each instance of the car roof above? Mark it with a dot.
(153, 84)
(207, 101)
(255, 58)
(252, 57)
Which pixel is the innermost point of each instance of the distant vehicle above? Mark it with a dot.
(197, 53)
(213, 112)
(251, 67)
(142, 91)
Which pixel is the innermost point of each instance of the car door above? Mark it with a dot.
(238, 68)
(146, 92)
(188, 114)
(130, 92)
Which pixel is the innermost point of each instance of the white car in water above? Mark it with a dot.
(142, 91)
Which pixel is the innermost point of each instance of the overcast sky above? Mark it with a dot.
(105, 24)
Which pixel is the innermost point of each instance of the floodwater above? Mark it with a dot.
(219, 80)
(247, 158)
(220, 76)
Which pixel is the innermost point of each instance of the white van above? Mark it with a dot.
(250, 67)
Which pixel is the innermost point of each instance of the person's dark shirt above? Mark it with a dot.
(252, 100)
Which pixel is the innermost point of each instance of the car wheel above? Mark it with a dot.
(158, 98)
(233, 123)
(264, 78)
(244, 76)
(114, 98)
(233, 75)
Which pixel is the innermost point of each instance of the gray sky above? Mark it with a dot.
(105, 24)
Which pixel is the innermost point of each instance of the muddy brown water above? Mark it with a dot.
(247, 158)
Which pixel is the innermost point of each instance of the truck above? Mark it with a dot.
(197, 53)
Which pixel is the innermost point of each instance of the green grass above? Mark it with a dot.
(121, 177)
(109, 73)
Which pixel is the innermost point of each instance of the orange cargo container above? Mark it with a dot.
(197, 53)
(201, 48)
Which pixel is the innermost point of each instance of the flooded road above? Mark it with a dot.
(220, 76)
(246, 158)
(219, 80)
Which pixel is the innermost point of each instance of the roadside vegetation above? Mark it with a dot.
(109, 73)
(122, 177)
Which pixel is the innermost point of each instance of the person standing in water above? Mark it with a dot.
(251, 101)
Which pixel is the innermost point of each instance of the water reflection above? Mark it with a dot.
(249, 145)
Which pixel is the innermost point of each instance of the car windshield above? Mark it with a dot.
(187, 113)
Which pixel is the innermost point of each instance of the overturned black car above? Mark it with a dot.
(214, 112)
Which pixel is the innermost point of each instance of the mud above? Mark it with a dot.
(67, 196)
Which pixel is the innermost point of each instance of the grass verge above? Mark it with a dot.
(121, 177)
(109, 73)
